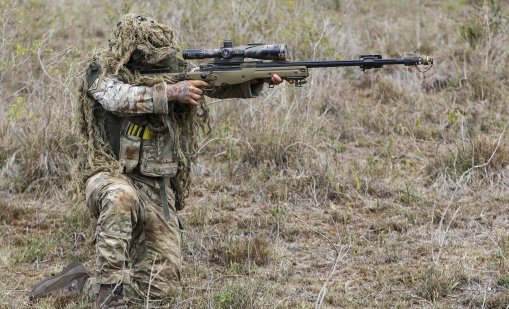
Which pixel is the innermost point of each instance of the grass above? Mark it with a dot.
(438, 283)
(406, 169)
(488, 156)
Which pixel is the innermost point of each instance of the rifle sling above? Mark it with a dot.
(164, 198)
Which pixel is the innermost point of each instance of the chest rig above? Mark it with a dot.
(143, 143)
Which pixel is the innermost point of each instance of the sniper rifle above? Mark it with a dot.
(229, 67)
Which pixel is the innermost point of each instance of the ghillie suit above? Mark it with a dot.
(136, 152)
(138, 42)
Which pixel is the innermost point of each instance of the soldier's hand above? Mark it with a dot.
(186, 92)
(276, 79)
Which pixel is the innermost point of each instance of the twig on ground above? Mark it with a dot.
(340, 253)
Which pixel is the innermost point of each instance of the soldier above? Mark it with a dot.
(138, 134)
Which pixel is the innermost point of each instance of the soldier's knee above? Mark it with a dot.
(104, 190)
(122, 197)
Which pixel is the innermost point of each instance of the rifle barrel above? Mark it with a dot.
(363, 63)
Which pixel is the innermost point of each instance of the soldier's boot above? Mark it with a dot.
(71, 279)
(110, 296)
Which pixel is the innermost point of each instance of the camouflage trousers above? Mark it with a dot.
(134, 244)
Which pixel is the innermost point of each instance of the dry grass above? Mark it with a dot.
(407, 170)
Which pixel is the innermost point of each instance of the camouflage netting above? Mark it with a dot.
(138, 35)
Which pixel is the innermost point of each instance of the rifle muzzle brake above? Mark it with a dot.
(426, 60)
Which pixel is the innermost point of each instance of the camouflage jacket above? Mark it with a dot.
(133, 124)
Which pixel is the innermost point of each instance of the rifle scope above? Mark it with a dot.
(227, 52)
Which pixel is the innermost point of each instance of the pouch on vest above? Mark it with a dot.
(129, 154)
(130, 144)
(157, 157)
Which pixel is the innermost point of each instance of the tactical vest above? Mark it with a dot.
(143, 144)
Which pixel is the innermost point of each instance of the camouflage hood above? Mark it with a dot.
(138, 41)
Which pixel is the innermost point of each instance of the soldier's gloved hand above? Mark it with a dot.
(186, 92)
